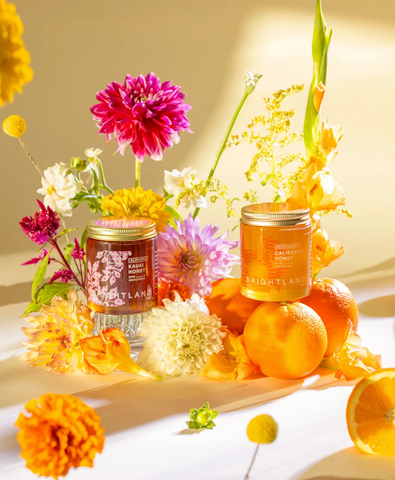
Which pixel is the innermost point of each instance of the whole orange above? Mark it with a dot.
(286, 340)
(336, 306)
(227, 302)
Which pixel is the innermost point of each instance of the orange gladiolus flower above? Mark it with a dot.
(318, 95)
(329, 138)
(169, 290)
(109, 351)
(353, 361)
(60, 432)
(231, 363)
(324, 251)
(317, 190)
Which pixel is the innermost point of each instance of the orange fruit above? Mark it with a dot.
(230, 305)
(371, 413)
(286, 340)
(336, 306)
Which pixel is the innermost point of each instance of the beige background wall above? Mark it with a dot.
(205, 46)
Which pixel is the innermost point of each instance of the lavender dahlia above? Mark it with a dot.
(143, 113)
(193, 258)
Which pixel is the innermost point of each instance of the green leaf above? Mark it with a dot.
(63, 232)
(83, 238)
(174, 215)
(45, 294)
(40, 274)
(68, 249)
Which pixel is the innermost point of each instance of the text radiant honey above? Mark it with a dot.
(275, 252)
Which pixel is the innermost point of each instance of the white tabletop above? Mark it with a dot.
(145, 420)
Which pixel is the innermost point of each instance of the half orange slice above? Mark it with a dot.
(371, 413)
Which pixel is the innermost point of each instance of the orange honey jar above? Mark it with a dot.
(275, 252)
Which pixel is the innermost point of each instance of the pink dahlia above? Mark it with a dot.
(143, 113)
(43, 226)
(195, 259)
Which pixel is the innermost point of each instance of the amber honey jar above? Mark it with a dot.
(275, 252)
(122, 272)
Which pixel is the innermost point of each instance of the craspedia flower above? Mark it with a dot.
(14, 126)
(194, 258)
(55, 335)
(136, 202)
(180, 337)
(143, 113)
(262, 429)
(59, 433)
(15, 68)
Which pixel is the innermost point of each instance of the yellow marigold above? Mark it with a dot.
(136, 202)
(60, 432)
(14, 126)
(54, 337)
(15, 68)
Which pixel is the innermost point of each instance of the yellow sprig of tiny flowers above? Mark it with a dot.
(277, 126)
(216, 189)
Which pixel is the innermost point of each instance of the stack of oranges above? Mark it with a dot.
(289, 339)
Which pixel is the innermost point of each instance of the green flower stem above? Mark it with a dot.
(137, 173)
(252, 462)
(224, 141)
(103, 178)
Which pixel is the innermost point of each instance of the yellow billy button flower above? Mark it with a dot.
(14, 126)
(262, 429)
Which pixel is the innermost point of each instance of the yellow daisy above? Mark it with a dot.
(136, 202)
(15, 68)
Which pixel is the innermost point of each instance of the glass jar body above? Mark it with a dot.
(122, 282)
(276, 261)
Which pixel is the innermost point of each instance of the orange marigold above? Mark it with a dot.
(169, 290)
(60, 432)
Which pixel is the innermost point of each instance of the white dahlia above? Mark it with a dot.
(180, 337)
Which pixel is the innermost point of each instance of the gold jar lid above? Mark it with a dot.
(113, 229)
(274, 214)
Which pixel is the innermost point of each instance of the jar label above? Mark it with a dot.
(108, 276)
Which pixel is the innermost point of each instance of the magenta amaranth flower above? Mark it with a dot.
(195, 259)
(63, 275)
(78, 252)
(35, 260)
(143, 113)
(43, 226)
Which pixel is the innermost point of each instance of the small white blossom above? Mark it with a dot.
(58, 188)
(251, 79)
(93, 152)
(180, 337)
(177, 182)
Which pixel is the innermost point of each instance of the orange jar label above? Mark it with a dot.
(275, 262)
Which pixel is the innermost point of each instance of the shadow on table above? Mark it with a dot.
(129, 404)
(379, 307)
(350, 464)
